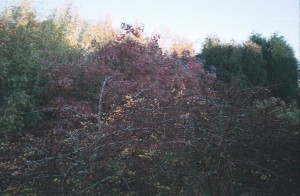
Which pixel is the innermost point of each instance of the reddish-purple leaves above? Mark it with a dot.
(139, 70)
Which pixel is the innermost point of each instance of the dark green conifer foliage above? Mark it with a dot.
(281, 65)
(232, 60)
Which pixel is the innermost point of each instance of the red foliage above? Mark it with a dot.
(146, 88)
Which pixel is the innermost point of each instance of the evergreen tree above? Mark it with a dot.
(20, 68)
(233, 60)
(28, 50)
(254, 65)
(226, 58)
(281, 65)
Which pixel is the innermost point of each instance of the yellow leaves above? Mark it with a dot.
(128, 96)
(265, 177)
(131, 173)
(236, 183)
(147, 155)
(8, 166)
(162, 187)
(12, 190)
(129, 101)
(153, 135)
(84, 124)
(125, 152)
(114, 115)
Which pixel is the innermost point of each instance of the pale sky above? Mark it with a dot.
(197, 19)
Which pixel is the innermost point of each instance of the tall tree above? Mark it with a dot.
(20, 67)
(28, 50)
(254, 65)
(281, 65)
(225, 57)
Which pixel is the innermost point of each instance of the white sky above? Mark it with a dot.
(196, 19)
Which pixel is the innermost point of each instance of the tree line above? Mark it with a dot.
(257, 62)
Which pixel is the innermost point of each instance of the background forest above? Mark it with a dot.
(89, 109)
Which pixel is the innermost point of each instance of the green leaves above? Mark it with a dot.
(231, 61)
(29, 49)
(254, 66)
(281, 65)
(258, 61)
(21, 72)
